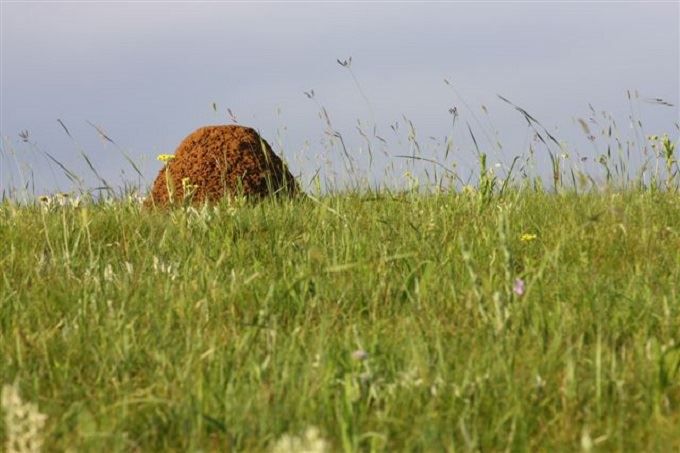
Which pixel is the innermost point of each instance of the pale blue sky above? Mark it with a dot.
(148, 72)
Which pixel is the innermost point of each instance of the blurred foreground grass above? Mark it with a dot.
(402, 322)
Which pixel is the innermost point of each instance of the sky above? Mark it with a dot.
(149, 73)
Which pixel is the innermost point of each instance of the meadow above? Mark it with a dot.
(502, 312)
(353, 322)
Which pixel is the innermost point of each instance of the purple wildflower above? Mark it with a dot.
(518, 287)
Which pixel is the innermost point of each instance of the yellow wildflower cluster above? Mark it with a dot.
(527, 237)
(165, 157)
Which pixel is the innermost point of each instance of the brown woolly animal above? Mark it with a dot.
(215, 161)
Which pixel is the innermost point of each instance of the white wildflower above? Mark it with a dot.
(45, 202)
(310, 442)
(135, 199)
(23, 422)
(63, 198)
(360, 355)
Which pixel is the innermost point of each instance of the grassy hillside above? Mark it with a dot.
(375, 322)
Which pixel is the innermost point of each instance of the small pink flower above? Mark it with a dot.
(518, 287)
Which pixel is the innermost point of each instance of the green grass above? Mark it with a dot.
(226, 329)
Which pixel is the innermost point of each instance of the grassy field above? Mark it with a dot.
(375, 322)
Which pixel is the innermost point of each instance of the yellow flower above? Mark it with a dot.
(165, 157)
(527, 237)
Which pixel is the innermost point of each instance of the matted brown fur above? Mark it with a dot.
(221, 160)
